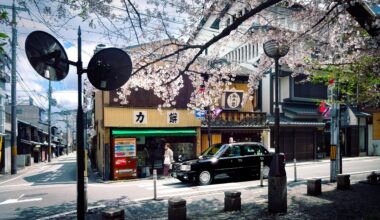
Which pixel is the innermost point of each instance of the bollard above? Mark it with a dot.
(261, 173)
(295, 169)
(155, 184)
(314, 187)
(177, 209)
(343, 181)
(113, 213)
(277, 185)
(232, 201)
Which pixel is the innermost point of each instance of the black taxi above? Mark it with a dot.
(235, 159)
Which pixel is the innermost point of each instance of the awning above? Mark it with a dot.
(155, 132)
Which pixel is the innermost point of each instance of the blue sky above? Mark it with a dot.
(29, 82)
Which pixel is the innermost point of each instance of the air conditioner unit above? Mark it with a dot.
(232, 100)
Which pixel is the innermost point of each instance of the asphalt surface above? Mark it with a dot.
(362, 201)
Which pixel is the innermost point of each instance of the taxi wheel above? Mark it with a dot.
(205, 177)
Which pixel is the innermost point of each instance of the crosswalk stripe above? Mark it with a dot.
(173, 192)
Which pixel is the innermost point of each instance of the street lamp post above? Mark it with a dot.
(275, 50)
(277, 190)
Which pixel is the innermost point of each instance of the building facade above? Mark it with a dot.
(304, 133)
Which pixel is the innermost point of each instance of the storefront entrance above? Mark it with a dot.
(150, 148)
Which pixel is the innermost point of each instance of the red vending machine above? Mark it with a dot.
(124, 158)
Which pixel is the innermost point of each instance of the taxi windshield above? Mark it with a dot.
(213, 150)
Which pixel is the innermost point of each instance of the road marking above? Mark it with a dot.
(18, 200)
(18, 185)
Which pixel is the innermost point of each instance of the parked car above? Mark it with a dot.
(236, 159)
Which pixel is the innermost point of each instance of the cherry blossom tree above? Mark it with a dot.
(3, 36)
(320, 33)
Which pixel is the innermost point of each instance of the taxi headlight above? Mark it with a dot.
(185, 167)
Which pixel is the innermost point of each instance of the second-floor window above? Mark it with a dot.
(308, 90)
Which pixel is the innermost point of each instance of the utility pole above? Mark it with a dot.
(67, 134)
(334, 132)
(49, 123)
(13, 86)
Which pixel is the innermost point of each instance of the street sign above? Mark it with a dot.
(200, 114)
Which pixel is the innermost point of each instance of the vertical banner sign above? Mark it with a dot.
(333, 152)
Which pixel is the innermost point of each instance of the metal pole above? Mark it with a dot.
(295, 162)
(80, 147)
(13, 93)
(13, 87)
(261, 173)
(67, 136)
(208, 128)
(49, 123)
(155, 184)
(333, 144)
(276, 111)
(337, 134)
(334, 134)
(295, 169)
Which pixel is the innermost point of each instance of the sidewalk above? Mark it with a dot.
(22, 170)
(290, 163)
(362, 201)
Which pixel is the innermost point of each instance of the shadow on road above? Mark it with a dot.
(362, 201)
(62, 172)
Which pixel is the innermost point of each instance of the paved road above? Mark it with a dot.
(47, 189)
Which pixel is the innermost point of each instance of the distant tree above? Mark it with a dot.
(358, 83)
(325, 36)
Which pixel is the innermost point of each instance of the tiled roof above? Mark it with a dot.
(302, 110)
(359, 113)
(289, 122)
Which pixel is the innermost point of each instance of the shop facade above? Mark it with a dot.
(236, 126)
(129, 141)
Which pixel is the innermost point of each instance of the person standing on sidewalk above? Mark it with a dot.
(168, 159)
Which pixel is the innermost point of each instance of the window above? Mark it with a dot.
(248, 150)
(215, 24)
(246, 53)
(253, 150)
(308, 90)
(232, 151)
(249, 52)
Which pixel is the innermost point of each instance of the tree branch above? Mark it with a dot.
(130, 18)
